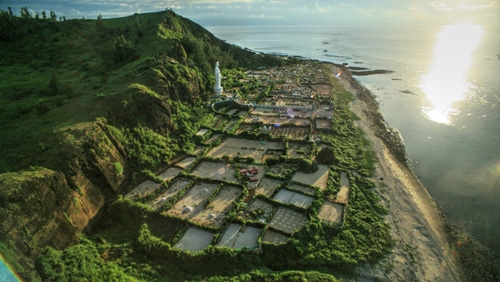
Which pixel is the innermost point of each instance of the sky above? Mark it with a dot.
(244, 12)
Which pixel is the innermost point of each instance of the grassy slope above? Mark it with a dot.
(80, 56)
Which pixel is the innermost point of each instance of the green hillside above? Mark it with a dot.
(92, 108)
(57, 76)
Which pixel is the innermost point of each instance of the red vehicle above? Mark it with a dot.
(253, 179)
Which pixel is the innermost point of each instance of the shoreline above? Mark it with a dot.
(421, 249)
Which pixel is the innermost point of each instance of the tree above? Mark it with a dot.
(53, 16)
(25, 13)
(10, 11)
(44, 15)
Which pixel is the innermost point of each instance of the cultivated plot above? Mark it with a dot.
(323, 124)
(343, 194)
(143, 189)
(216, 170)
(194, 201)
(298, 150)
(195, 240)
(199, 150)
(331, 212)
(297, 199)
(170, 173)
(274, 237)
(302, 189)
(259, 210)
(287, 220)
(172, 190)
(236, 147)
(186, 162)
(318, 179)
(217, 210)
(294, 133)
(237, 237)
(267, 186)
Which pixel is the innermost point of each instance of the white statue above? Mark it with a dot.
(218, 77)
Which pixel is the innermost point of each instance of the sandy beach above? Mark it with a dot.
(421, 250)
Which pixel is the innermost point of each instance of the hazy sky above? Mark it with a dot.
(233, 12)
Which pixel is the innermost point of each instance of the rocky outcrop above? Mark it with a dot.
(42, 207)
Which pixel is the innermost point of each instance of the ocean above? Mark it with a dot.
(443, 96)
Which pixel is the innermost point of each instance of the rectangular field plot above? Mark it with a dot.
(274, 237)
(302, 189)
(217, 210)
(193, 203)
(234, 147)
(297, 150)
(287, 220)
(294, 133)
(170, 173)
(259, 210)
(143, 189)
(289, 197)
(171, 191)
(267, 186)
(237, 237)
(318, 179)
(323, 124)
(331, 212)
(186, 162)
(343, 194)
(195, 240)
(214, 170)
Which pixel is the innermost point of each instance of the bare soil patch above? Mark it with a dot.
(237, 237)
(195, 240)
(259, 210)
(331, 212)
(343, 194)
(298, 150)
(323, 90)
(297, 199)
(171, 191)
(194, 202)
(302, 189)
(317, 179)
(199, 150)
(287, 220)
(217, 210)
(186, 162)
(323, 124)
(170, 173)
(267, 186)
(274, 237)
(244, 148)
(293, 133)
(143, 189)
(213, 170)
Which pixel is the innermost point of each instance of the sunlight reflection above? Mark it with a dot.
(446, 83)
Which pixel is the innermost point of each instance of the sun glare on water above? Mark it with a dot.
(446, 82)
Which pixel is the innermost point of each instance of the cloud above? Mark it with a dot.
(319, 8)
(492, 4)
(464, 7)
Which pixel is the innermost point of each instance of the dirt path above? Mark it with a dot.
(421, 251)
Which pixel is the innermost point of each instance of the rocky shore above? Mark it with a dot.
(422, 251)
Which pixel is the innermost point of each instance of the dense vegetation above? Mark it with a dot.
(72, 90)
